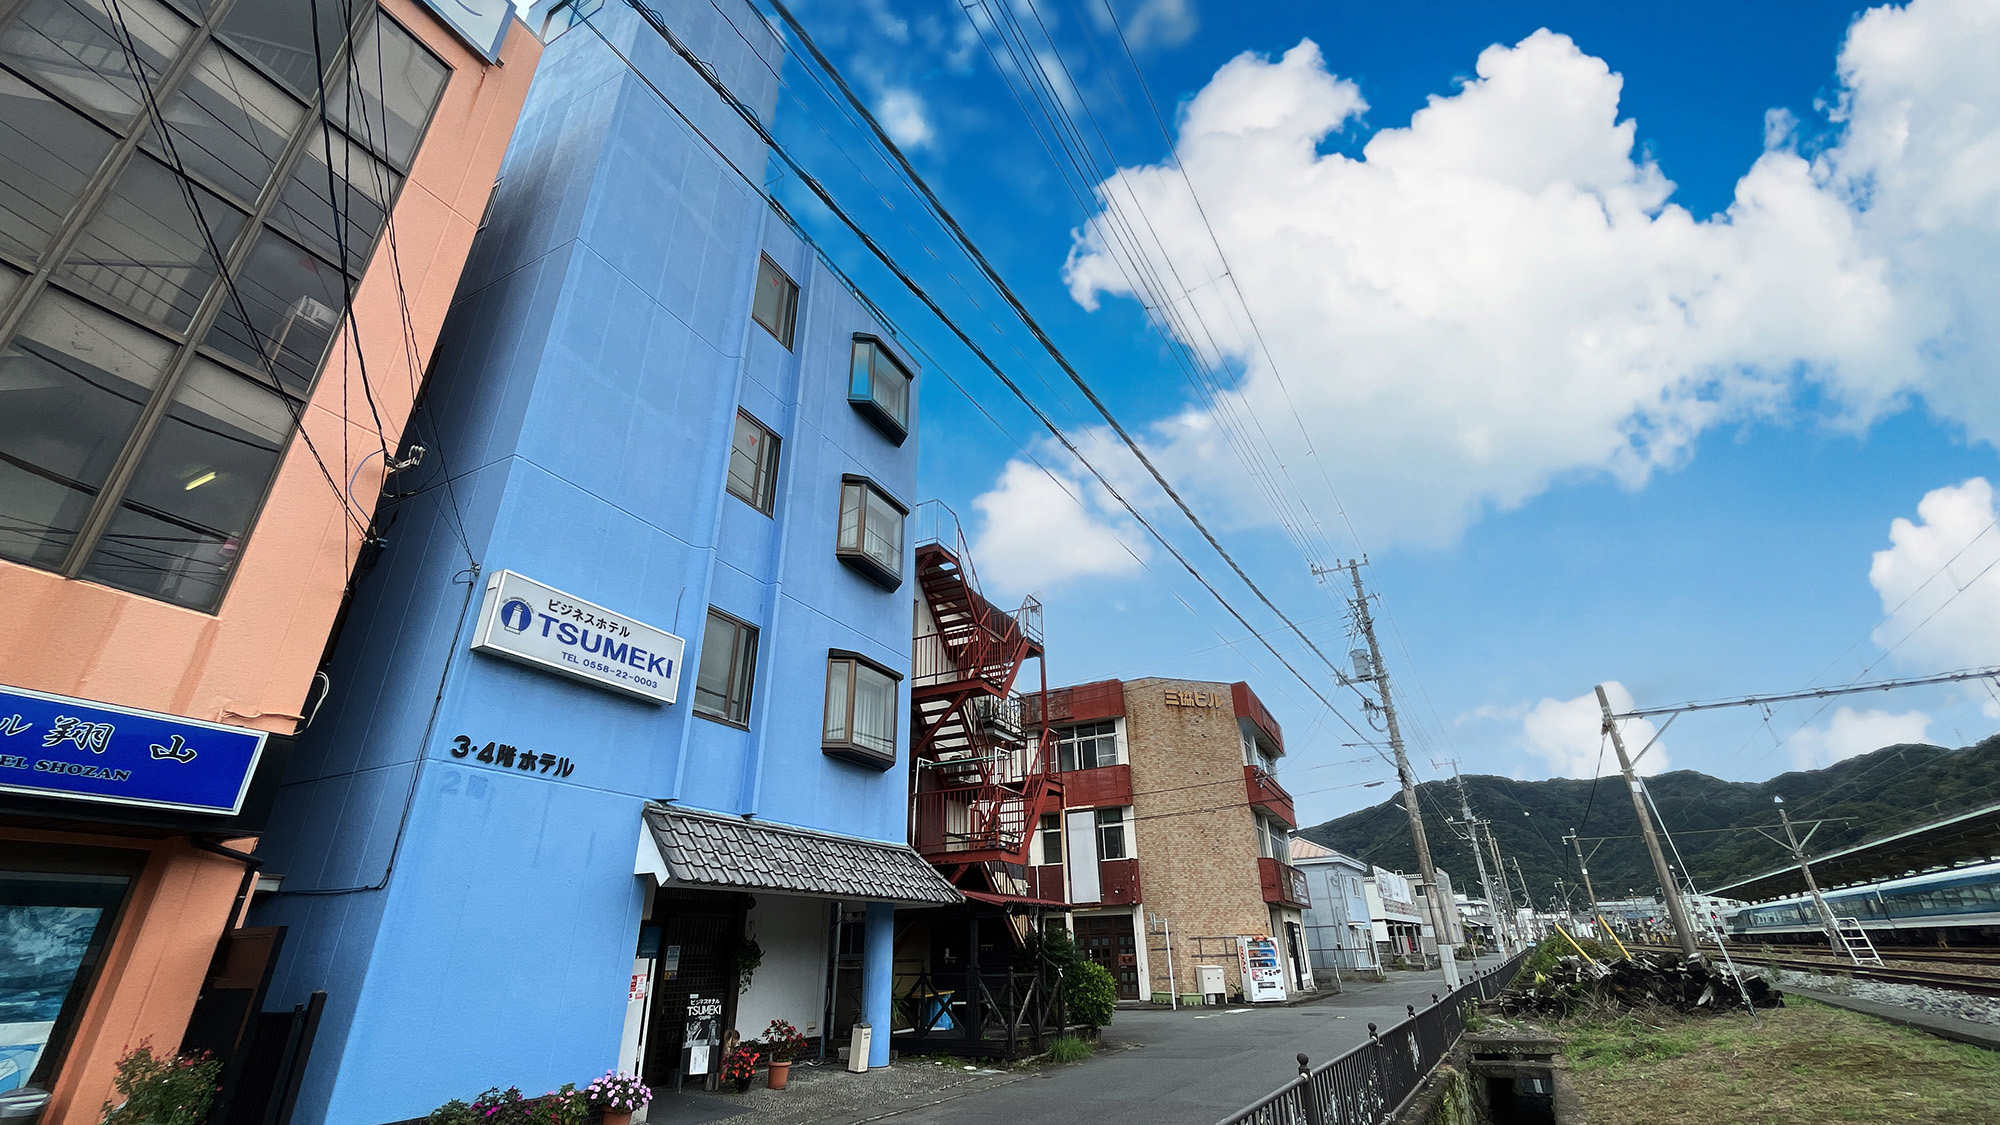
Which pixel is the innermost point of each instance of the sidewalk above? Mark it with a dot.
(829, 1093)
(1154, 1067)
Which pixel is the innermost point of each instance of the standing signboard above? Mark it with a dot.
(1263, 973)
(701, 1037)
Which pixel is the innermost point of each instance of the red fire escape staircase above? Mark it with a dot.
(984, 776)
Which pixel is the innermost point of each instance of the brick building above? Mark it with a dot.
(1173, 823)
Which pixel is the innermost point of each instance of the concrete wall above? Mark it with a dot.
(586, 391)
(791, 983)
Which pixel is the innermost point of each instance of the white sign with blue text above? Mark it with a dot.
(525, 621)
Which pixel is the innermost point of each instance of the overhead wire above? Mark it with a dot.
(129, 47)
(1006, 291)
(923, 296)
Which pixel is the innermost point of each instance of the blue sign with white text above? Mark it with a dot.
(54, 746)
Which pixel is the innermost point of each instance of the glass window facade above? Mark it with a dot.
(179, 241)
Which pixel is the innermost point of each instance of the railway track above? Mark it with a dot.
(1978, 985)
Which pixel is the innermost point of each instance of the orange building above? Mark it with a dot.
(227, 245)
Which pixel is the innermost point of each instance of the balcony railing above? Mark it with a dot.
(1282, 883)
(969, 820)
(1267, 794)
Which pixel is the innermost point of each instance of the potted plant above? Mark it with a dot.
(618, 1096)
(739, 1066)
(784, 1043)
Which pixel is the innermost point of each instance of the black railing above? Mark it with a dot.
(1369, 1084)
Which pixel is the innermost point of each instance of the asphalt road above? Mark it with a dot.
(1188, 1068)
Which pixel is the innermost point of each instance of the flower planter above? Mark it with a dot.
(617, 1117)
(742, 1085)
(781, 1072)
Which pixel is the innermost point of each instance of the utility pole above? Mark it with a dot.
(1421, 842)
(1485, 880)
(1577, 843)
(1506, 892)
(1526, 894)
(1826, 918)
(1675, 910)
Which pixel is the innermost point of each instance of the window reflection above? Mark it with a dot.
(47, 155)
(144, 249)
(72, 385)
(192, 496)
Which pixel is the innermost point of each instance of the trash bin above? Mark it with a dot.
(858, 1046)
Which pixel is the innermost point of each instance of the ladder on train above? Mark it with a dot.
(1854, 939)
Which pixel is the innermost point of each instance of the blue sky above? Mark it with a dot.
(1622, 337)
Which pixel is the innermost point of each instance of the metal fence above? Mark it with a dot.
(1366, 1086)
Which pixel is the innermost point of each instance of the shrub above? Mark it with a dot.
(501, 1107)
(454, 1112)
(739, 1065)
(163, 1091)
(1068, 1049)
(618, 1092)
(1091, 993)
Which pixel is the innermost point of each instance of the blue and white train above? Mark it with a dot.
(1958, 907)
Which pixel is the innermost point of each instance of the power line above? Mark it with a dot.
(1814, 693)
(993, 277)
(819, 191)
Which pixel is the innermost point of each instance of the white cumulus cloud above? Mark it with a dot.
(902, 114)
(1501, 294)
(1035, 533)
(1940, 581)
(1152, 23)
(1568, 735)
(1850, 733)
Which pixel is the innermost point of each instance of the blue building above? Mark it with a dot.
(521, 842)
(1338, 927)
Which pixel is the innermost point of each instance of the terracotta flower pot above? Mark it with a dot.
(617, 1117)
(781, 1072)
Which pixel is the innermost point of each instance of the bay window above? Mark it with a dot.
(860, 711)
(878, 386)
(871, 531)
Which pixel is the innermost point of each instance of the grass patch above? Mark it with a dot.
(1069, 1049)
(1805, 1063)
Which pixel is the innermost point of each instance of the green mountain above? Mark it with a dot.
(1890, 789)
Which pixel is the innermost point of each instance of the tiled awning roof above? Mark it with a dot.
(729, 853)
